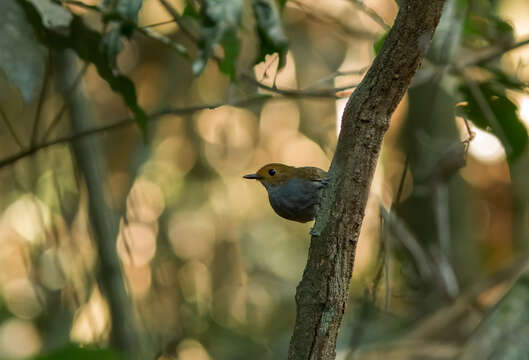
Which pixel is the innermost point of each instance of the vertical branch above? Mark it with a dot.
(57, 118)
(104, 223)
(442, 216)
(322, 294)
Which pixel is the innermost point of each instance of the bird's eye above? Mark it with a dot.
(272, 172)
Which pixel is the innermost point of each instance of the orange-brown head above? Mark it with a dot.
(273, 174)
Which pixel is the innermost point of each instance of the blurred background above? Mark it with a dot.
(210, 271)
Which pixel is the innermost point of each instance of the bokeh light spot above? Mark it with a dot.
(18, 339)
(29, 217)
(91, 320)
(486, 147)
(139, 279)
(301, 151)
(195, 282)
(137, 243)
(51, 270)
(22, 299)
(189, 349)
(191, 235)
(145, 202)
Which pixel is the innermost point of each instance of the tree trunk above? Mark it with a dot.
(322, 295)
(104, 222)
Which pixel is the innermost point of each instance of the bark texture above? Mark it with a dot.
(322, 294)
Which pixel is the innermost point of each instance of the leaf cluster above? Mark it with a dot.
(219, 32)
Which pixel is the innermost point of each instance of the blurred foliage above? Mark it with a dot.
(210, 268)
(80, 353)
(377, 45)
(92, 47)
(24, 62)
(502, 115)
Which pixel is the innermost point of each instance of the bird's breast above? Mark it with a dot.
(296, 199)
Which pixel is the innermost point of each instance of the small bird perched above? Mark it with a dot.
(294, 192)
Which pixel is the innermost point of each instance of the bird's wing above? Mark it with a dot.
(314, 173)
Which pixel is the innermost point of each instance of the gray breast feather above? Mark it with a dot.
(296, 200)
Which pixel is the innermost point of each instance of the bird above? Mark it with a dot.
(294, 192)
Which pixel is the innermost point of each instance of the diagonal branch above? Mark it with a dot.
(124, 123)
(10, 128)
(316, 93)
(322, 295)
(179, 20)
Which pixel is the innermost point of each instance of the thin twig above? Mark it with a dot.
(323, 93)
(179, 20)
(123, 123)
(441, 208)
(387, 282)
(381, 256)
(402, 179)
(147, 31)
(336, 74)
(485, 108)
(371, 13)
(401, 233)
(318, 16)
(38, 111)
(275, 58)
(157, 24)
(484, 59)
(470, 135)
(430, 71)
(83, 5)
(327, 93)
(11, 129)
(441, 319)
(180, 49)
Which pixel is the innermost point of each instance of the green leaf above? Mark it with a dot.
(87, 43)
(270, 31)
(486, 30)
(53, 15)
(509, 129)
(220, 21)
(281, 4)
(230, 43)
(23, 58)
(191, 12)
(377, 46)
(121, 25)
(129, 9)
(80, 353)
(508, 81)
(111, 45)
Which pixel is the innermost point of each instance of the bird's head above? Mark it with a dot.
(273, 174)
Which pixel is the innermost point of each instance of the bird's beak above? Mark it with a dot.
(253, 176)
